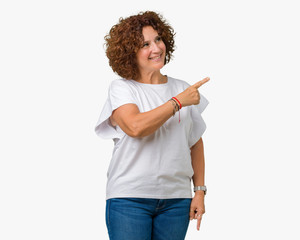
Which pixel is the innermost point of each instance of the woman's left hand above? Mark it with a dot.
(197, 207)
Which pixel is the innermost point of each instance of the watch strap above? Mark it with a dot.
(202, 188)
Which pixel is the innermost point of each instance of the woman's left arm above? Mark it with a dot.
(197, 204)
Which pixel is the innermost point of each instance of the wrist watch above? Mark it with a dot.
(203, 188)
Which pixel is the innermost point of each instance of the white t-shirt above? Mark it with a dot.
(158, 165)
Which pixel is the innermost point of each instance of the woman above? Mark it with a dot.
(155, 155)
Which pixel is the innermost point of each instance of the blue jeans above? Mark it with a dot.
(147, 218)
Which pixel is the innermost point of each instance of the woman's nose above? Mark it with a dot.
(155, 47)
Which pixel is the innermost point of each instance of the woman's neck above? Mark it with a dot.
(152, 78)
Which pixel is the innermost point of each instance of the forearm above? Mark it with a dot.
(198, 163)
(148, 122)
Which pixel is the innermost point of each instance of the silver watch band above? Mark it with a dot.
(203, 188)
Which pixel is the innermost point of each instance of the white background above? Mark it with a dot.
(54, 80)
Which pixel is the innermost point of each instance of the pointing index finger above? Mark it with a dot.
(199, 218)
(200, 83)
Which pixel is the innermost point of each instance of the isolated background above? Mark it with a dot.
(54, 80)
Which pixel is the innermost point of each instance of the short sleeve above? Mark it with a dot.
(119, 93)
(198, 125)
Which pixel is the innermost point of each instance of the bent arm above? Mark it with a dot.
(197, 155)
(137, 124)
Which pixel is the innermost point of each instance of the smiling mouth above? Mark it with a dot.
(156, 58)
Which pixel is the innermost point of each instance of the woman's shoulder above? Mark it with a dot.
(179, 82)
(121, 83)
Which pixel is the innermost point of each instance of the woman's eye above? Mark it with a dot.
(158, 39)
(145, 44)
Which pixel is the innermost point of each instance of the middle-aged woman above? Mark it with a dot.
(156, 124)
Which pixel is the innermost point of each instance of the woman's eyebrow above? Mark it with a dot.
(154, 38)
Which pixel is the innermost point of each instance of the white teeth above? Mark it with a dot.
(154, 58)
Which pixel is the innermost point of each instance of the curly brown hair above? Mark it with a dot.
(126, 38)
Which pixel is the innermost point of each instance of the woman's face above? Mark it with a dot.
(151, 57)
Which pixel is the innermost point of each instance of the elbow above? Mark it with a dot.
(132, 128)
(136, 131)
(134, 134)
(139, 130)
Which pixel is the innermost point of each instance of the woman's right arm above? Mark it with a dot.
(137, 124)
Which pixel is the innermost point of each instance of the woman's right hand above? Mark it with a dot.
(191, 95)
